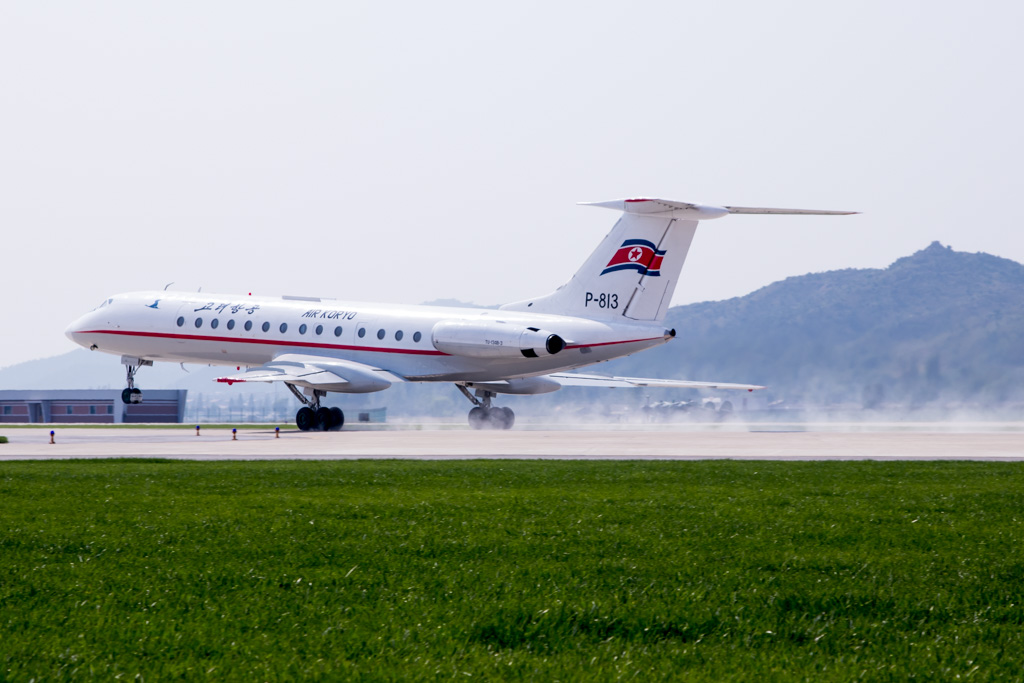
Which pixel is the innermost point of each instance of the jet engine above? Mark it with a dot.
(493, 339)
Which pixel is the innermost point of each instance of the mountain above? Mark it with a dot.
(937, 328)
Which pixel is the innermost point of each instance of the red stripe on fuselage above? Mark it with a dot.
(626, 341)
(270, 342)
(315, 345)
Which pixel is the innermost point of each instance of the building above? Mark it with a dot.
(101, 406)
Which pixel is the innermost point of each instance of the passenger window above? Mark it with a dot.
(248, 325)
(265, 327)
(283, 328)
(362, 332)
(380, 334)
(399, 335)
(416, 337)
(199, 322)
(337, 331)
(231, 324)
(319, 329)
(181, 321)
(302, 329)
(214, 323)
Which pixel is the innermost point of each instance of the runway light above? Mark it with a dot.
(197, 430)
(277, 432)
(234, 434)
(51, 436)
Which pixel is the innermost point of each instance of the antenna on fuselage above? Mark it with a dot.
(167, 285)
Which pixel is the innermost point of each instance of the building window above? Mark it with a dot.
(283, 328)
(181, 321)
(302, 329)
(70, 410)
(399, 335)
(265, 327)
(214, 323)
(248, 325)
(7, 410)
(92, 410)
(231, 324)
(199, 322)
(416, 337)
(337, 331)
(110, 410)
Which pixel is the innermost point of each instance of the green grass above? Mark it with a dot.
(504, 569)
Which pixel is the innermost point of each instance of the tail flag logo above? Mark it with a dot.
(639, 255)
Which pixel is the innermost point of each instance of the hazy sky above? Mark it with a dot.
(409, 151)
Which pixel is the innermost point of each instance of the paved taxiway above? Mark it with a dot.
(584, 443)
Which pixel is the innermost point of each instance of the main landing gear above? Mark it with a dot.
(312, 416)
(132, 365)
(484, 415)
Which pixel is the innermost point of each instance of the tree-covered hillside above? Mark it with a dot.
(937, 326)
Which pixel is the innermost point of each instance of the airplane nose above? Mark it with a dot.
(71, 331)
(74, 331)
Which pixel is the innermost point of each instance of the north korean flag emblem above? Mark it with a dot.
(639, 255)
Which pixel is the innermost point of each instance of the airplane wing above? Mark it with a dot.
(570, 379)
(319, 372)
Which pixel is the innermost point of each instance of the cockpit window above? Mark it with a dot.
(105, 303)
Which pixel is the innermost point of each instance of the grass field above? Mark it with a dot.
(502, 569)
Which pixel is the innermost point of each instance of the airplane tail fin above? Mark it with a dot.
(634, 271)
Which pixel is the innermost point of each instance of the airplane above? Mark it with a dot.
(613, 306)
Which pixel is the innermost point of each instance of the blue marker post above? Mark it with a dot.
(234, 434)
(277, 432)
(51, 436)
(197, 430)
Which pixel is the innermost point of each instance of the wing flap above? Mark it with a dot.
(319, 372)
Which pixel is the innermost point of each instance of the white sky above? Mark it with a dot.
(404, 152)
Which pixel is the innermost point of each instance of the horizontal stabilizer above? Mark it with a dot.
(788, 212)
(570, 379)
(700, 212)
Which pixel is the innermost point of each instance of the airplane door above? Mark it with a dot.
(366, 333)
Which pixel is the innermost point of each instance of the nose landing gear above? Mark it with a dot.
(312, 416)
(485, 416)
(132, 365)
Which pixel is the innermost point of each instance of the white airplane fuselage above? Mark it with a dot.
(243, 330)
(613, 306)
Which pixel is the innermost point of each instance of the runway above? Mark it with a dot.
(561, 444)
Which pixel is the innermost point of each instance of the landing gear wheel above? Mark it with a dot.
(491, 418)
(323, 419)
(126, 396)
(337, 418)
(305, 419)
(131, 396)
